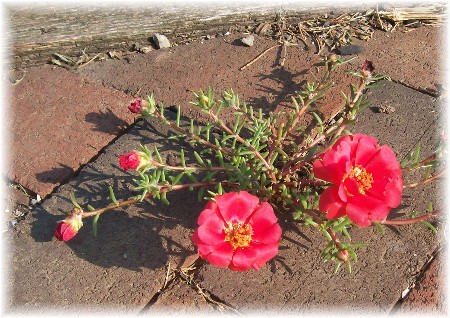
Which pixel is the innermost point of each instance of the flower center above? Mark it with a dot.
(238, 234)
(362, 177)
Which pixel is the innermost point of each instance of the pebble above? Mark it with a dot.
(161, 41)
(36, 201)
(248, 40)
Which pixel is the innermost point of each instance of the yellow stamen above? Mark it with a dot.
(238, 234)
(362, 177)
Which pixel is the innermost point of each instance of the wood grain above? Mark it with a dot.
(37, 32)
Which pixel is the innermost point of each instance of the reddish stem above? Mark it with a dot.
(413, 220)
(148, 195)
(412, 185)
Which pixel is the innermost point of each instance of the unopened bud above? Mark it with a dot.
(68, 228)
(367, 69)
(204, 100)
(343, 255)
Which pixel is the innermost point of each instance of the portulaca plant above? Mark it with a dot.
(265, 164)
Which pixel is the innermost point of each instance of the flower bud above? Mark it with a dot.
(136, 160)
(68, 228)
(138, 106)
(343, 255)
(367, 69)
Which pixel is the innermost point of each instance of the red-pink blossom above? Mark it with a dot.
(135, 160)
(68, 228)
(366, 180)
(237, 232)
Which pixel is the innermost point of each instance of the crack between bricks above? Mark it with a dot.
(419, 277)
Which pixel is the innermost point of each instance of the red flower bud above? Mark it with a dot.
(68, 228)
(135, 160)
(343, 255)
(367, 69)
(138, 106)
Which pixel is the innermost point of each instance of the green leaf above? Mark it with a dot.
(158, 155)
(112, 195)
(338, 265)
(177, 179)
(94, 224)
(163, 198)
(90, 207)
(199, 159)
(74, 201)
(380, 227)
(183, 161)
(201, 192)
(430, 226)
(430, 207)
(349, 267)
(178, 116)
(416, 154)
(220, 188)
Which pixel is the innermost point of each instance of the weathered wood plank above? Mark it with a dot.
(37, 32)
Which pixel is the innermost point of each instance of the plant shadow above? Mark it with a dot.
(106, 122)
(145, 234)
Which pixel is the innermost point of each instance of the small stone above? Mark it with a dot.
(385, 109)
(12, 224)
(36, 201)
(161, 41)
(248, 40)
(145, 49)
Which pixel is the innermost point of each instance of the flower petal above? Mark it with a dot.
(203, 248)
(236, 207)
(244, 258)
(211, 231)
(383, 160)
(221, 256)
(267, 234)
(331, 204)
(362, 210)
(265, 254)
(264, 224)
(206, 214)
(364, 148)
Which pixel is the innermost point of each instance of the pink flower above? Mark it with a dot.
(68, 228)
(366, 180)
(237, 232)
(135, 160)
(137, 106)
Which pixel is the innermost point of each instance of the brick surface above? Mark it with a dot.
(181, 299)
(172, 74)
(429, 296)
(413, 57)
(120, 269)
(58, 122)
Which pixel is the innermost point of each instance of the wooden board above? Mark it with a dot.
(37, 32)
